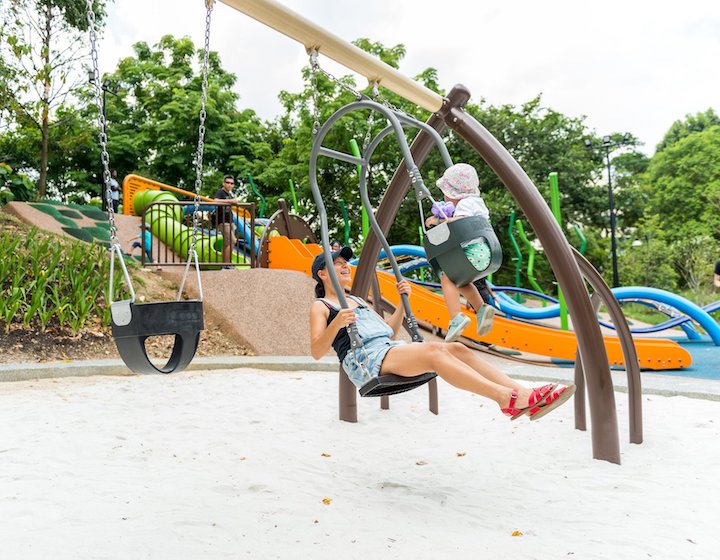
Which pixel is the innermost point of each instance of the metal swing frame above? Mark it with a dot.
(382, 385)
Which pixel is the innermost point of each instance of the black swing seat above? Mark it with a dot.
(133, 323)
(444, 252)
(389, 384)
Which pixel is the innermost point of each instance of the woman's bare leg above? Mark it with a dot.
(413, 359)
(487, 370)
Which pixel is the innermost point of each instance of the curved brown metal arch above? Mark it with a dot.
(603, 294)
(590, 347)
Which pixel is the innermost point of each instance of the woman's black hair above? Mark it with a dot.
(319, 290)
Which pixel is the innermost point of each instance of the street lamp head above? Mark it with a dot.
(588, 143)
(606, 140)
(91, 76)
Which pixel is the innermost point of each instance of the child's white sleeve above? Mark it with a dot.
(471, 206)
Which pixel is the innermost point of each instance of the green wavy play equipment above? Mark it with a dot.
(166, 223)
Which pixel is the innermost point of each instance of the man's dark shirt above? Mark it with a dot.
(224, 213)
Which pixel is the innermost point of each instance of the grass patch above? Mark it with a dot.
(48, 281)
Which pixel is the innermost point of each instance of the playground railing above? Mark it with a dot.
(171, 226)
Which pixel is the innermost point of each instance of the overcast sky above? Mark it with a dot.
(627, 65)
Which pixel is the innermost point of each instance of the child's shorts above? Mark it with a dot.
(376, 350)
(478, 254)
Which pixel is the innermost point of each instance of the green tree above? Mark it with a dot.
(73, 168)
(649, 260)
(153, 121)
(682, 128)
(628, 185)
(41, 45)
(291, 135)
(683, 182)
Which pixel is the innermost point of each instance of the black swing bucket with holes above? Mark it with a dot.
(134, 323)
(384, 385)
(443, 248)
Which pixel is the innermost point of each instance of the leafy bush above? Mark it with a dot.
(20, 186)
(6, 196)
(46, 281)
(649, 264)
(694, 258)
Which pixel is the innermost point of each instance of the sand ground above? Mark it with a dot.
(251, 464)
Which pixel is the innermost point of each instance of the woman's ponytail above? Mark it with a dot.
(319, 290)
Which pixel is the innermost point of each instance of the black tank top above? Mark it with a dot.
(341, 344)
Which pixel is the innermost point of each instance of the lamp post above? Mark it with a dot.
(608, 145)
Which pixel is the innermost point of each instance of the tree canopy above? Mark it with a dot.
(665, 204)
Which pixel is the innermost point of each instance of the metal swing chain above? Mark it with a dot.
(115, 249)
(201, 129)
(104, 157)
(314, 69)
(192, 251)
(371, 119)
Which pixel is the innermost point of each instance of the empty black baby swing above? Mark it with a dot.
(133, 323)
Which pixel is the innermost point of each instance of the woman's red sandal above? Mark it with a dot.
(552, 401)
(536, 396)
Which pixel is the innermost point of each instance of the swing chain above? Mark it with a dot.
(371, 119)
(201, 131)
(104, 156)
(379, 98)
(314, 69)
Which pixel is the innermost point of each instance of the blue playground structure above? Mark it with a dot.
(681, 312)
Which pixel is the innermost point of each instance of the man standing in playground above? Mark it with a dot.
(716, 275)
(224, 218)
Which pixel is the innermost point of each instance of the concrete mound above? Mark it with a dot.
(265, 310)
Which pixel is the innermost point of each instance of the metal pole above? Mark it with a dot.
(611, 202)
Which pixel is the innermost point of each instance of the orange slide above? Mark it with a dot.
(429, 307)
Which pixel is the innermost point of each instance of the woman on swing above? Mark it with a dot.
(455, 363)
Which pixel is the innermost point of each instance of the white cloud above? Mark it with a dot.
(627, 66)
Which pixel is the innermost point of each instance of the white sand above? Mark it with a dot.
(230, 465)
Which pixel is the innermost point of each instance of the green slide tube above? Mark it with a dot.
(365, 221)
(166, 221)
